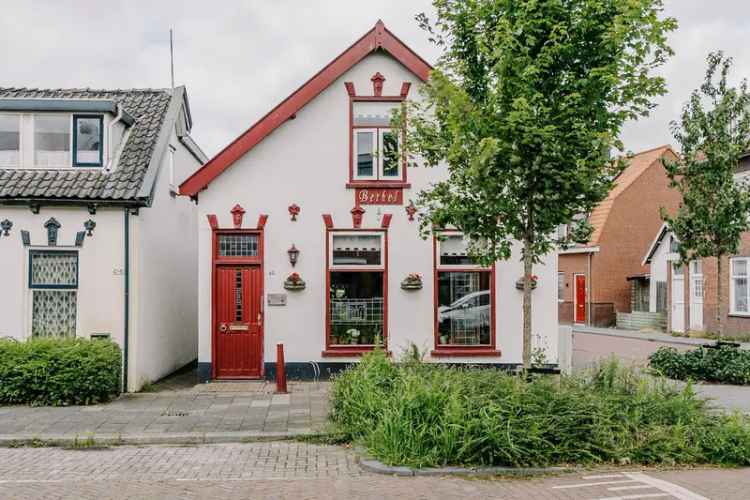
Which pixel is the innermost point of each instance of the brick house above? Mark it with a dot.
(691, 290)
(608, 275)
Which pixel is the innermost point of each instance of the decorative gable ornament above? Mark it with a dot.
(6, 226)
(410, 210)
(237, 214)
(294, 211)
(357, 213)
(52, 227)
(377, 84)
(89, 226)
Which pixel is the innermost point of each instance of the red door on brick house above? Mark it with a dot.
(580, 298)
(239, 318)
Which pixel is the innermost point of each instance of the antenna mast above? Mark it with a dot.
(171, 55)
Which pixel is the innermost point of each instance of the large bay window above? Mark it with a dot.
(464, 306)
(357, 291)
(375, 146)
(51, 140)
(53, 281)
(739, 291)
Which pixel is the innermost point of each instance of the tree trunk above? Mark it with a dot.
(719, 297)
(527, 270)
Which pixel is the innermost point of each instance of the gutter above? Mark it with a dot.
(126, 330)
(575, 250)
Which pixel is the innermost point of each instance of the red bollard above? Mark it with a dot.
(280, 370)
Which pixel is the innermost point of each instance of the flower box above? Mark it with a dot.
(519, 283)
(412, 282)
(294, 282)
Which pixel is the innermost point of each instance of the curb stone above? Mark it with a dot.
(92, 440)
(369, 464)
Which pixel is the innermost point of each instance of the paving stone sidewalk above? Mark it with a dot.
(177, 412)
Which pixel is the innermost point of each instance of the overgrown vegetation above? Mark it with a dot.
(420, 414)
(59, 371)
(725, 364)
(734, 337)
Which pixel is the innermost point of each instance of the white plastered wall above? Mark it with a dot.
(659, 266)
(305, 161)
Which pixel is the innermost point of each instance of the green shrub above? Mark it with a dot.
(724, 364)
(59, 371)
(421, 414)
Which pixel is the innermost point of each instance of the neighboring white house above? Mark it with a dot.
(318, 187)
(93, 240)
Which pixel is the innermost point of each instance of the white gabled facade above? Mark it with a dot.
(159, 262)
(305, 162)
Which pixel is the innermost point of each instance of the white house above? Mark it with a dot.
(318, 187)
(94, 241)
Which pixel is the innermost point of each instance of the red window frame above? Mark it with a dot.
(372, 183)
(345, 351)
(461, 350)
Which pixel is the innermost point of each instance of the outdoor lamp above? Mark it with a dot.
(293, 255)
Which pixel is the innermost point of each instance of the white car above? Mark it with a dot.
(473, 309)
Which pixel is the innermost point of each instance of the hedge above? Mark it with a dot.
(724, 364)
(57, 372)
(423, 414)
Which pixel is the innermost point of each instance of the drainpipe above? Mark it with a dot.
(589, 285)
(111, 127)
(126, 341)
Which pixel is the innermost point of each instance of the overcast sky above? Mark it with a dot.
(239, 59)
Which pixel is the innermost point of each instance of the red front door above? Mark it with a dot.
(239, 321)
(580, 302)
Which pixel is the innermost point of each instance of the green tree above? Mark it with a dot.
(527, 100)
(713, 133)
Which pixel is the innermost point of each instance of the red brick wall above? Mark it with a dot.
(630, 228)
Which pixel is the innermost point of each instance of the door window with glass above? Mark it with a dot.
(356, 315)
(464, 296)
(53, 281)
(739, 290)
(376, 147)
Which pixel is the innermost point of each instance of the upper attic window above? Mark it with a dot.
(87, 141)
(376, 147)
(10, 140)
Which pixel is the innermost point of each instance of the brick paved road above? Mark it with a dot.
(297, 470)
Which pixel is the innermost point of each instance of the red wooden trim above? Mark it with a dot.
(328, 221)
(357, 214)
(378, 184)
(350, 88)
(455, 352)
(386, 221)
(262, 218)
(377, 84)
(379, 98)
(443, 350)
(405, 89)
(237, 214)
(333, 350)
(212, 221)
(377, 37)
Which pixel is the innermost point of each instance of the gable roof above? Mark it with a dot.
(663, 230)
(638, 164)
(378, 38)
(153, 111)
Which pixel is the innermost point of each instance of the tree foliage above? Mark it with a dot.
(524, 106)
(713, 133)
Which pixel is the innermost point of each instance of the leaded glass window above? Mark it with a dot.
(53, 280)
(238, 245)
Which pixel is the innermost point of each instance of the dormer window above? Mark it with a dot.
(51, 141)
(10, 140)
(376, 152)
(87, 140)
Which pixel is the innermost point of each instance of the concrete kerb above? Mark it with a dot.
(369, 464)
(103, 440)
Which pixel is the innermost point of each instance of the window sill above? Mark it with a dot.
(463, 351)
(348, 352)
(377, 184)
(739, 314)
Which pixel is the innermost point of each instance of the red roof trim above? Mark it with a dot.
(378, 37)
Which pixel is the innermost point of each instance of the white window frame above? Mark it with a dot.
(732, 292)
(170, 159)
(21, 135)
(31, 289)
(357, 267)
(355, 149)
(560, 298)
(381, 156)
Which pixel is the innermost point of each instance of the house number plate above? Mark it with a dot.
(276, 299)
(381, 196)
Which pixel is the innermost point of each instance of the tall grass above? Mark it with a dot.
(421, 414)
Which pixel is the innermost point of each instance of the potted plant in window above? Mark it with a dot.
(519, 282)
(413, 281)
(294, 282)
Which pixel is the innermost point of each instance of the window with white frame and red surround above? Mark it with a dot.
(464, 300)
(357, 291)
